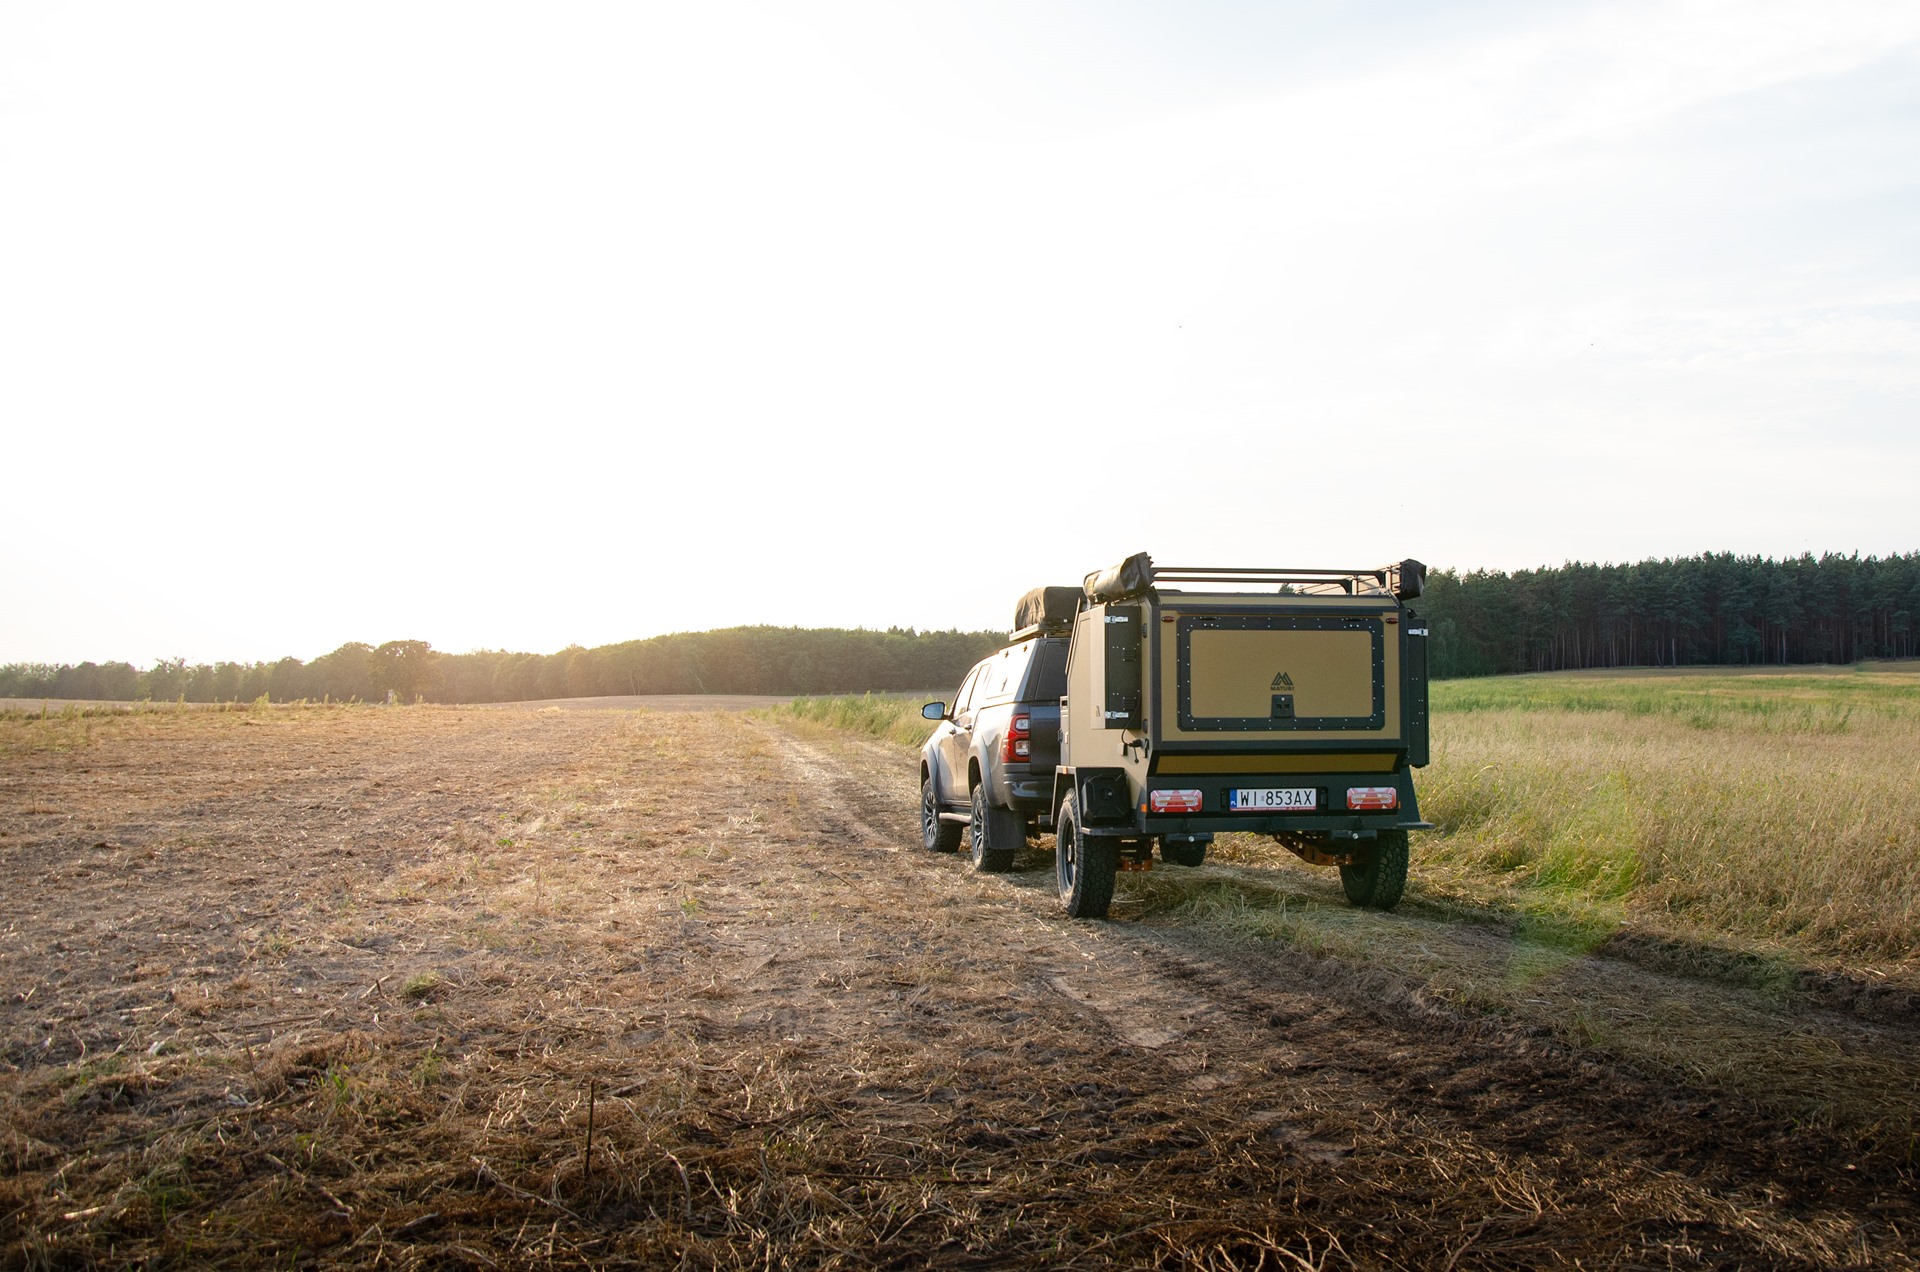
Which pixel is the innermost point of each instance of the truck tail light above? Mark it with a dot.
(1365, 797)
(1174, 801)
(1017, 746)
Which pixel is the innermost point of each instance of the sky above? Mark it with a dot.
(517, 326)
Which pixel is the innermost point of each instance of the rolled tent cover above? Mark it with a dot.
(1410, 579)
(1046, 607)
(1129, 578)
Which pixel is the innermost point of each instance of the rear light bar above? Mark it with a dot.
(1017, 746)
(1380, 797)
(1174, 801)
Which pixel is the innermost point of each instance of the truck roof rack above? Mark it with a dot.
(1404, 579)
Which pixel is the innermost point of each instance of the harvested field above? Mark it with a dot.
(449, 987)
(624, 702)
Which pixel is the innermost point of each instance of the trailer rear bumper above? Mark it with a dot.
(1337, 804)
(1341, 825)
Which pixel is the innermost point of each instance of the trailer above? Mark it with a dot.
(1285, 702)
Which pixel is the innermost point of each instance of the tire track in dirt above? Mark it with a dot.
(849, 808)
(1344, 1062)
(869, 797)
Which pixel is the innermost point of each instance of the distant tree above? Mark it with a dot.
(343, 674)
(166, 681)
(287, 680)
(28, 680)
(114, 681)
(409, 668)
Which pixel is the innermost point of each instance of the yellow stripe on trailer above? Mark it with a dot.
(1273, 764)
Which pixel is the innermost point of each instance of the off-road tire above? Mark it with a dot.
(1184, 853)
(1084, 866)
(994, 835)
(936, 835)
(1377, 882)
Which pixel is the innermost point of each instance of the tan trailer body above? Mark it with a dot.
(1292, 704)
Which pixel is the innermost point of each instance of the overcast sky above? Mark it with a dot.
(520, 326)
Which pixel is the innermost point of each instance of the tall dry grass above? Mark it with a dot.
(1780, 807)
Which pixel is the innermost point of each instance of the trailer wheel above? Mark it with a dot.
(994, 835)
(1084, 865)
(1378, 881)
(935, 835)
(1183, 851)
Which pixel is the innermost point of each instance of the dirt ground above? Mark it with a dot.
(654, 702)
(442, 987)
(624, 702)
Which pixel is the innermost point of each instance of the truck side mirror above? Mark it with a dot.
(934, 711)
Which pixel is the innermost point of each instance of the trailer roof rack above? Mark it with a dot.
(1403, 579)
(1310, 581)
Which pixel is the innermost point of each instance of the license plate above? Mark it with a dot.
(1271, 799)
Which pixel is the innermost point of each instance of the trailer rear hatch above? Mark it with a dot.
(1282, 674)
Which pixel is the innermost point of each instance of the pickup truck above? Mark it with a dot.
(987, 770)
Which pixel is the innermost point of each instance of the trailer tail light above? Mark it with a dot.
(1017, 746)
(1174, 801)
(1379, 797)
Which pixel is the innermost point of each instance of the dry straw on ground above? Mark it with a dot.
(347, 986)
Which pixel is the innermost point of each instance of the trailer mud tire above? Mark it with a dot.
(1377, 882)
(1084, 866)
(994, 835)
(935, 835)
(1183, 852)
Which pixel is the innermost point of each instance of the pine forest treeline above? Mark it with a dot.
(1688, 611)
(761, 660)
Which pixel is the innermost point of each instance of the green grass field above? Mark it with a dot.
(1772, 808)
(894, 717)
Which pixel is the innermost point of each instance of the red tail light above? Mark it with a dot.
(1174, 801)
(1017, 746)
(1360, 798)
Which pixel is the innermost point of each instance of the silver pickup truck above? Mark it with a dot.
(988, 769)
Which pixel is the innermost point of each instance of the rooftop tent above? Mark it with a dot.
(1046, 607)
(1129, 578)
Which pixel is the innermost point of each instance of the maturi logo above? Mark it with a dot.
(1282, 681)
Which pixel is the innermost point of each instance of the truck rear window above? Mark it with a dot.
(1047, 674)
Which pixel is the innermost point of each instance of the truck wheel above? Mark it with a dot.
(1182, 852)
(1084, 866)
(935, 835)
(994, 834)
(1377, 882)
